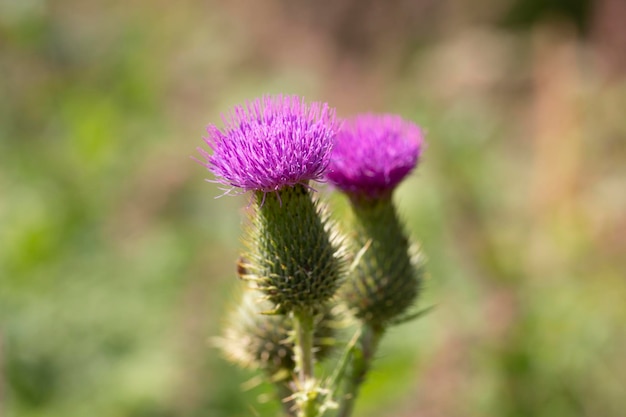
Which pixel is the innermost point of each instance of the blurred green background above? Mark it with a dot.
(117, 261)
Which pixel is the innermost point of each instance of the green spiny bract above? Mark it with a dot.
(292, 255)
(385, 279)
(256, 340)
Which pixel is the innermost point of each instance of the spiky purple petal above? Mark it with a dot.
(374, 153)
(270, 143)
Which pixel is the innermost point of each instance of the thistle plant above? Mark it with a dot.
(372, 155)
(294, 262)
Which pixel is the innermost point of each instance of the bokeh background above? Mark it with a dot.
(117, 262)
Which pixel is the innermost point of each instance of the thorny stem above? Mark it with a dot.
(339, 372)
(303, 329)
(362, 357)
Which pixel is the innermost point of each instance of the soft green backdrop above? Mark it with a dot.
(117, 261)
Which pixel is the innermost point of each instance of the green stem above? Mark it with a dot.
(362, 357)
(307, 392)
(303, 327)
(340, 369)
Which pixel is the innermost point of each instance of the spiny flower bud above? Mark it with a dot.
(292, 254)
(372, 155)
(385, 282)
(253, 339)
(274, 146)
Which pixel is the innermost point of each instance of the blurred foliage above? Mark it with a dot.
(117, 263)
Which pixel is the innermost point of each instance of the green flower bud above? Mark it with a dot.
(292, 256)
(384, 280)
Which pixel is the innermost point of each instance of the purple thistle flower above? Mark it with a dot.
(374, 153)
(270, 143)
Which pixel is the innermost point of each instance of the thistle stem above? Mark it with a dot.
(307, 395)
(340, 369)
(362, 357)
(303, 326)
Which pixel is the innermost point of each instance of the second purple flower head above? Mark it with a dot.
(374, 153)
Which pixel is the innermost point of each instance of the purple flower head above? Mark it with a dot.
(373, 154)
(270, 143)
